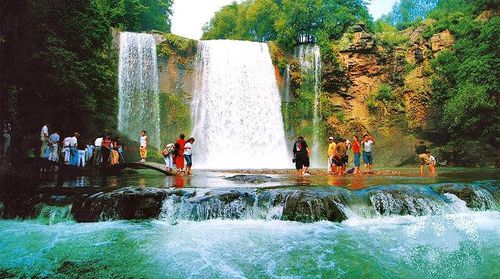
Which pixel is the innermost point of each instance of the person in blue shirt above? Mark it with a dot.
(54, 146)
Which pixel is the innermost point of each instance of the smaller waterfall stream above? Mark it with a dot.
(310, 66)
(139, 107)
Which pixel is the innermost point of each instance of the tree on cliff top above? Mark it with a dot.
(285, 21)
(137, 15)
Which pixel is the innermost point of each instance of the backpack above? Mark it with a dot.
(169, 149)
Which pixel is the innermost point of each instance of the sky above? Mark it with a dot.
(191, 15)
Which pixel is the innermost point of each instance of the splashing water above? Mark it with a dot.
(138, 87)
(237, 108)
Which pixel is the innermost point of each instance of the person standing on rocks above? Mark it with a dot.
(422, 156)
(332, 149)
(356, 149)
(73, 148)
(98, 151)
(54, 146)
(368, 143)
(342, 155)
(301, 153)
(106, 150)
(6, 138)
(168, 155)
(143, 147)
(44, 138)
(188, 153)
(179, 158)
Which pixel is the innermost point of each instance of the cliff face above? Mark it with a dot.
(176, 69)
(381, 90)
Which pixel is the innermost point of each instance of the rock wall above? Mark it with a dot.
(353, 79)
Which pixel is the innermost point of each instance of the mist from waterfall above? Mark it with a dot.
(138, 87)
(237, 108)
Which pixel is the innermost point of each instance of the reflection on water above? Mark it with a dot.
(217, 179)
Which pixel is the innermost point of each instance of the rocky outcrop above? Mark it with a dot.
(123, 204)
(475, 197)
(305, 206)
(441, 41)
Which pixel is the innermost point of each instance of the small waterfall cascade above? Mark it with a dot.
(310, 66)
(287, 98)
(236, 108)
(138, 98)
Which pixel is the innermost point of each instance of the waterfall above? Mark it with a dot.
(138, 87)
(237, 108)
(310, 65)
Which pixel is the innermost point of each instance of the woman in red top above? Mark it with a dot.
(356, 147)
(179, 158)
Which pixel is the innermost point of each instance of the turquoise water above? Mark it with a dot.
(460, 245)
(448, 241)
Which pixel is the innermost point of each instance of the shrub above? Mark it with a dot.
(177, 45)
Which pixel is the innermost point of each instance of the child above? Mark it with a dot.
(431, 162)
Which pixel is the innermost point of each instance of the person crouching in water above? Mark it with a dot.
(188, 154)
(431, 162)
(143, 149)
(300, 154)
(168, 156)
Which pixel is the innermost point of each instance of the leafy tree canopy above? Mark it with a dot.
(286, 21)
(137, 15)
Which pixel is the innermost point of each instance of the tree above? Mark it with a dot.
(137, 15)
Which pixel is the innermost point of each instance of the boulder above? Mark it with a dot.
(305, 206)
(126, 204)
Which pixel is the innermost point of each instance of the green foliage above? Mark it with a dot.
(137, 15)
(466, 82)
(176, 45)
(285, 21)
(381, 97)
(250, 20)
(62, 67)
(384, 93)
(175, 115)
(407, 13)
(388, 36)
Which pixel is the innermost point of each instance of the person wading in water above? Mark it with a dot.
(300, 154)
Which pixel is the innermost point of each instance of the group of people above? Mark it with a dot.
(176, 153)
(338, 158)
(104, 150)
(337, 155)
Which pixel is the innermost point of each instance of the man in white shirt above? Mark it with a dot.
(97, 150)
(367, 144)
(188, 153)
(66, 151)
(44, 138)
